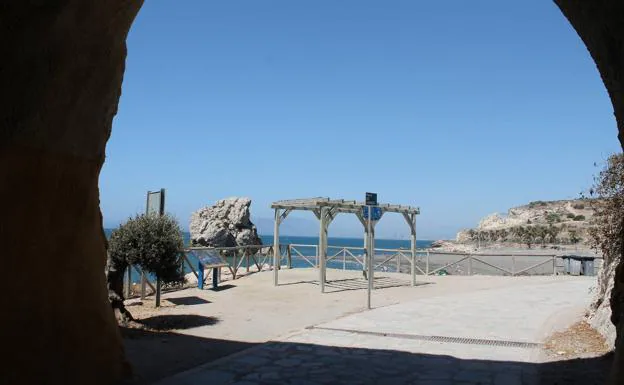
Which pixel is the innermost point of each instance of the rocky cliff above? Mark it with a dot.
(553, 222)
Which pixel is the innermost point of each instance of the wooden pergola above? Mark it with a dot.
(326, 210)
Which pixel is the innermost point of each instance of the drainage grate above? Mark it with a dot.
(453, 340)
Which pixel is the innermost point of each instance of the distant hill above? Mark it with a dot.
(539, 222)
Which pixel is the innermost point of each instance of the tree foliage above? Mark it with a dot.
(606, 232)
(153, 242)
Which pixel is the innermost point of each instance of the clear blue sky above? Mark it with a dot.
(461, 108)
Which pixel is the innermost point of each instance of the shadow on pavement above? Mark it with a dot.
(224, 287)
(156, 356)
(176, 321)
(362, 284)
(188, 301)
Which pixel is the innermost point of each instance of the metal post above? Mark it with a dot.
(344, 259)
(469, 264)
(246, 255)
(289, 257)
(200, 275)
(427, 263)
(215, 277)
(554, 265)
(370, 256)
(321, 249)
(365, 259)
(276, 248)
(513, 265)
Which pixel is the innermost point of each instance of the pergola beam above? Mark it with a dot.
(341, 205)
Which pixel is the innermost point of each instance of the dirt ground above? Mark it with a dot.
(577, 355)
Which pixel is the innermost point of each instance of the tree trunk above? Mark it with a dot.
(600, 24)
(114, 279)
(60, 80)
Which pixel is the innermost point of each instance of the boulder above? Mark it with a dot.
(225, 224)
(437, 244)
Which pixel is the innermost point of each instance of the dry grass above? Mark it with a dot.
(579, 340)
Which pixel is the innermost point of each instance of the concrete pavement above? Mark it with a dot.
(490, 335)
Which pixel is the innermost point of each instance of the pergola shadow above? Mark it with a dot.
(338, 285)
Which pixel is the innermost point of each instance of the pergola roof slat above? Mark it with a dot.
(340, 205)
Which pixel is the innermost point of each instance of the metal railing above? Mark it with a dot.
(427, 262)
(511, 264)
(237, 257)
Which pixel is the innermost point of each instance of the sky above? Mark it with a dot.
(460, 108)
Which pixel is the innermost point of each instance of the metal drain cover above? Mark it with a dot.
(453, 340)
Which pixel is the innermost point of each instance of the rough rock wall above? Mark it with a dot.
(60, 75)
(600, 24)
(599, 315)
(225, 224)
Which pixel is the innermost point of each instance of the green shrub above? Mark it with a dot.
(151, 241)
(553, 218)
(578, 206)
(579, 218)
(570, 215)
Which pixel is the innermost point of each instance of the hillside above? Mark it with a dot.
(540, 222)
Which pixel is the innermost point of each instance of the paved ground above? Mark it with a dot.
(456, 330)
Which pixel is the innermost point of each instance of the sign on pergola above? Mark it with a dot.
(326, 211)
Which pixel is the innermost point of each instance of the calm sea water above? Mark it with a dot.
(333, 243)
(343, 242)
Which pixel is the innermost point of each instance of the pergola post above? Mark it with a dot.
(413, 244)
(411, 221)
(322, 249)
(365, 225)
(370, 255)
(276, 247)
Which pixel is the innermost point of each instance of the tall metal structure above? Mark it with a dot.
(326, 211)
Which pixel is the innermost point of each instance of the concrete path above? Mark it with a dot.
(488, 336)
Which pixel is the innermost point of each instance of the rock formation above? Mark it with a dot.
(225, 224)
(599, 315)
(600, 24)
(61, 73)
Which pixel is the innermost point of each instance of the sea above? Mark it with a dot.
(334, 243)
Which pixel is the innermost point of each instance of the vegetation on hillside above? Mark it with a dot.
(606, 232)
(528, 235)
(537, 223)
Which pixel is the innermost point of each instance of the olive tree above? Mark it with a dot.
(154, 243)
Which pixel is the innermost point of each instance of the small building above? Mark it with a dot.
(579, 264)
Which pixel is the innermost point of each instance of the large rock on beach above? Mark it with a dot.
(225, 224)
